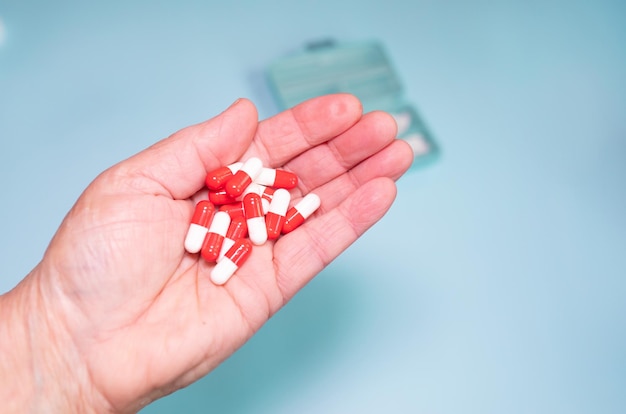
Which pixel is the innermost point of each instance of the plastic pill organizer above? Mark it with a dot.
(362, 69)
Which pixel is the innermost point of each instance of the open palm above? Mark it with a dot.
(141, 315)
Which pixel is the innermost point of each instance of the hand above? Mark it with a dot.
(118, 314)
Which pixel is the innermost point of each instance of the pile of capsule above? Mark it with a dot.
(248, 204)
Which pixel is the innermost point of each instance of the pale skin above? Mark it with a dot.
(117, 314)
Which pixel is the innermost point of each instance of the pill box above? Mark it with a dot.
(363, 69)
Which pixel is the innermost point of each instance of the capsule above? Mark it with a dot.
(233, 209)
(236, 184)
(266, 194)
(220, 197)
(238, 229)
(275, 217)
(215, 236)
(264, 191)
(301, 211)
(200, 221)
(217, 178)
(232, 260)
(277, 178)
(255, 219)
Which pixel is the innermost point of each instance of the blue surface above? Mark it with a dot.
(499, 276)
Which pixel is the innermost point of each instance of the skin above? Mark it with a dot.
(117, 314)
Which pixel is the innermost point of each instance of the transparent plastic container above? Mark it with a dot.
(360, 68)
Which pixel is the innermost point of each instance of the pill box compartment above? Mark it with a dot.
(360, 68)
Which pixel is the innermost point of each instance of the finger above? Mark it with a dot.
(391, 162)
(286, 135)
(305, 252)
(177, 166)
(320, 164)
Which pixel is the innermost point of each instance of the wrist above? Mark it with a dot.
(40, 370)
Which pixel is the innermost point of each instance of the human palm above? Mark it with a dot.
(141, 314)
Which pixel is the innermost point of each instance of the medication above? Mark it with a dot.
(275, 216)
(200, 221)
(247, 205)
(264, 191)
(215, 236)
(219, 197)
(238, 229)
(266, 194)
(217, 178)
(301, 211)
(243, 177)
(277, 178)
(232, 260)
(255, 219)
(233, 209)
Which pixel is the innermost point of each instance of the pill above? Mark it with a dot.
(236, 184)
(232, 260)
(253, 188)
(266, 194)
(255, 219)
(215, 236)
(275, 217)
(200, 221)
(238, 229)
(301, 211)
(233, 209)
(277, 178)
(217, 178)
(220, 197)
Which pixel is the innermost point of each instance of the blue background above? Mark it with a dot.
(496, 283)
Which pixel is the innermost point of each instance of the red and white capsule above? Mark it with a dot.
(277, 178)
(200, 221)
(300, 212)
(238, 229)
(266, 194)
(232, 260)
(236, 184)
(255, 219)
(233, 209)
(275, 217)
(220, 197)
(217, 178)
(215, 236)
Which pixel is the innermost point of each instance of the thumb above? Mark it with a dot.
(179, 164)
